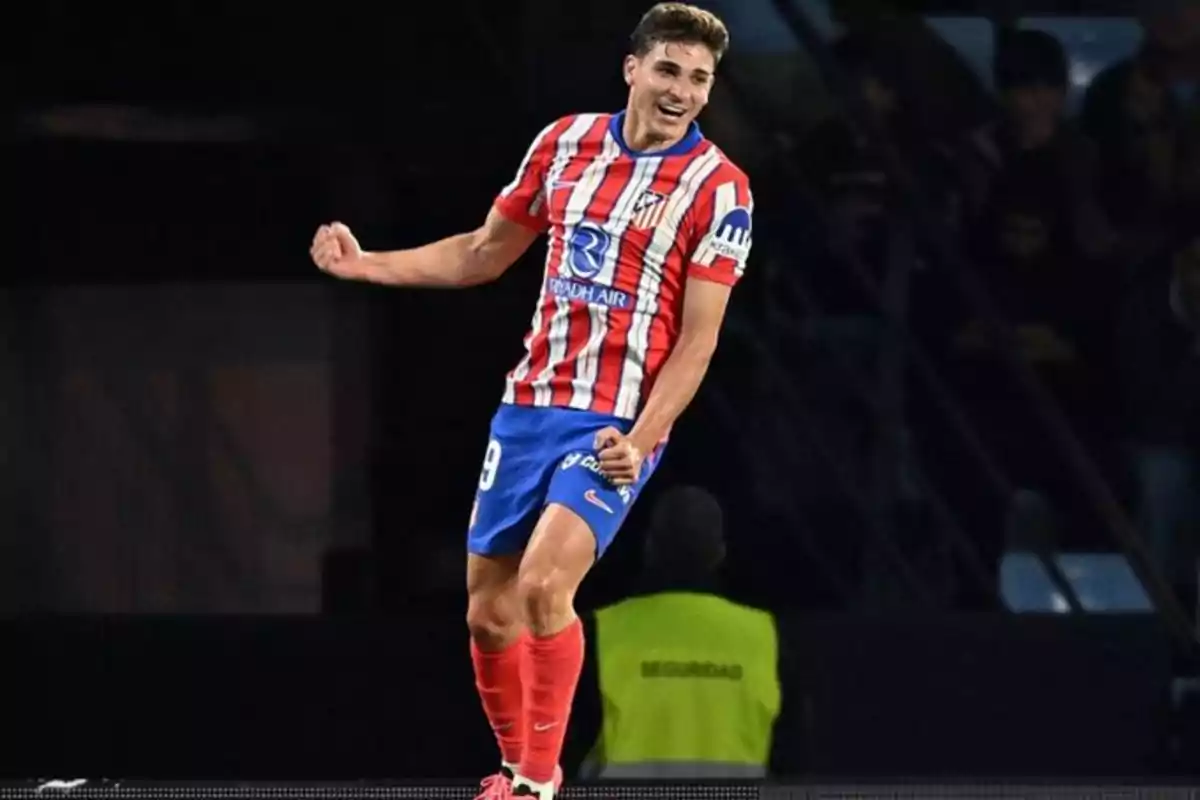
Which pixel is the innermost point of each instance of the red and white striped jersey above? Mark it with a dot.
(626, 232)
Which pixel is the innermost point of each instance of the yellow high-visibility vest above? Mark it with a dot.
(689, 686)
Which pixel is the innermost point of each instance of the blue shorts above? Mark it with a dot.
(537, 456)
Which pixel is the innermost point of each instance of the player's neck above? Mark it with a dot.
(638, 138)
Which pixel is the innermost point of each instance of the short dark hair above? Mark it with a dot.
(680, 22)
(1027, 58)
(686, 538)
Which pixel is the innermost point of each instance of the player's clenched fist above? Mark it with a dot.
(620, 458)
(336, 251)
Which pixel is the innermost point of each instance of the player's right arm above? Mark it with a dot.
(515, 220)
(466, 259)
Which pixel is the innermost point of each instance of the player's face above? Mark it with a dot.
(668, 87)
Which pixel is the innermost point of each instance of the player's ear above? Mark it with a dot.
(631, 63)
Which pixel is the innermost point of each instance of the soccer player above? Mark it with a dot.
(648, 228)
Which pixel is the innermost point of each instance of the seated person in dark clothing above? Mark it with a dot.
(1035, 232)
(1032, 149)
(849, 176)
(1144, 115)
(1034, 237)
(944, 95)
(1159, 369)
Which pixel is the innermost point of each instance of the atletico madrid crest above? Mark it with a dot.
(648, 210)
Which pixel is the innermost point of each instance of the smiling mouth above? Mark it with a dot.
(674, 112)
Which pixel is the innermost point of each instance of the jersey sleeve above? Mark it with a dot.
(724, 216)
(523, 200)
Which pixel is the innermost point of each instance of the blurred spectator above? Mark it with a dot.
(945, 95)
(850, 178)
(1144, 113)
(860, 277)
(1153, 345)
(687, 680)
(1037, 234)
(1038, 240)
(1030, 175)
(922, 96)
(1161, 377)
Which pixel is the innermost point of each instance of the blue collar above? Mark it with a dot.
(685, 145)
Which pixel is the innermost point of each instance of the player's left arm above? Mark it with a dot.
(682, 373)
(717, 263)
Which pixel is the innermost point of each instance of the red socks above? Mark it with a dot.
(551, 675)
(498, 679)
(530, 726)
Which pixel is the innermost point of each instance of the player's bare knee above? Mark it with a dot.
(489, 627)
(546, 599)
(494, 615)
(494, 621)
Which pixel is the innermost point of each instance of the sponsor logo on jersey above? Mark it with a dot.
(587, 248)
(731, 237)
(584, 292)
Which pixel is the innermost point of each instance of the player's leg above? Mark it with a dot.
(510, 495)
(582, 516)
(498, 639)
(561, 552)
